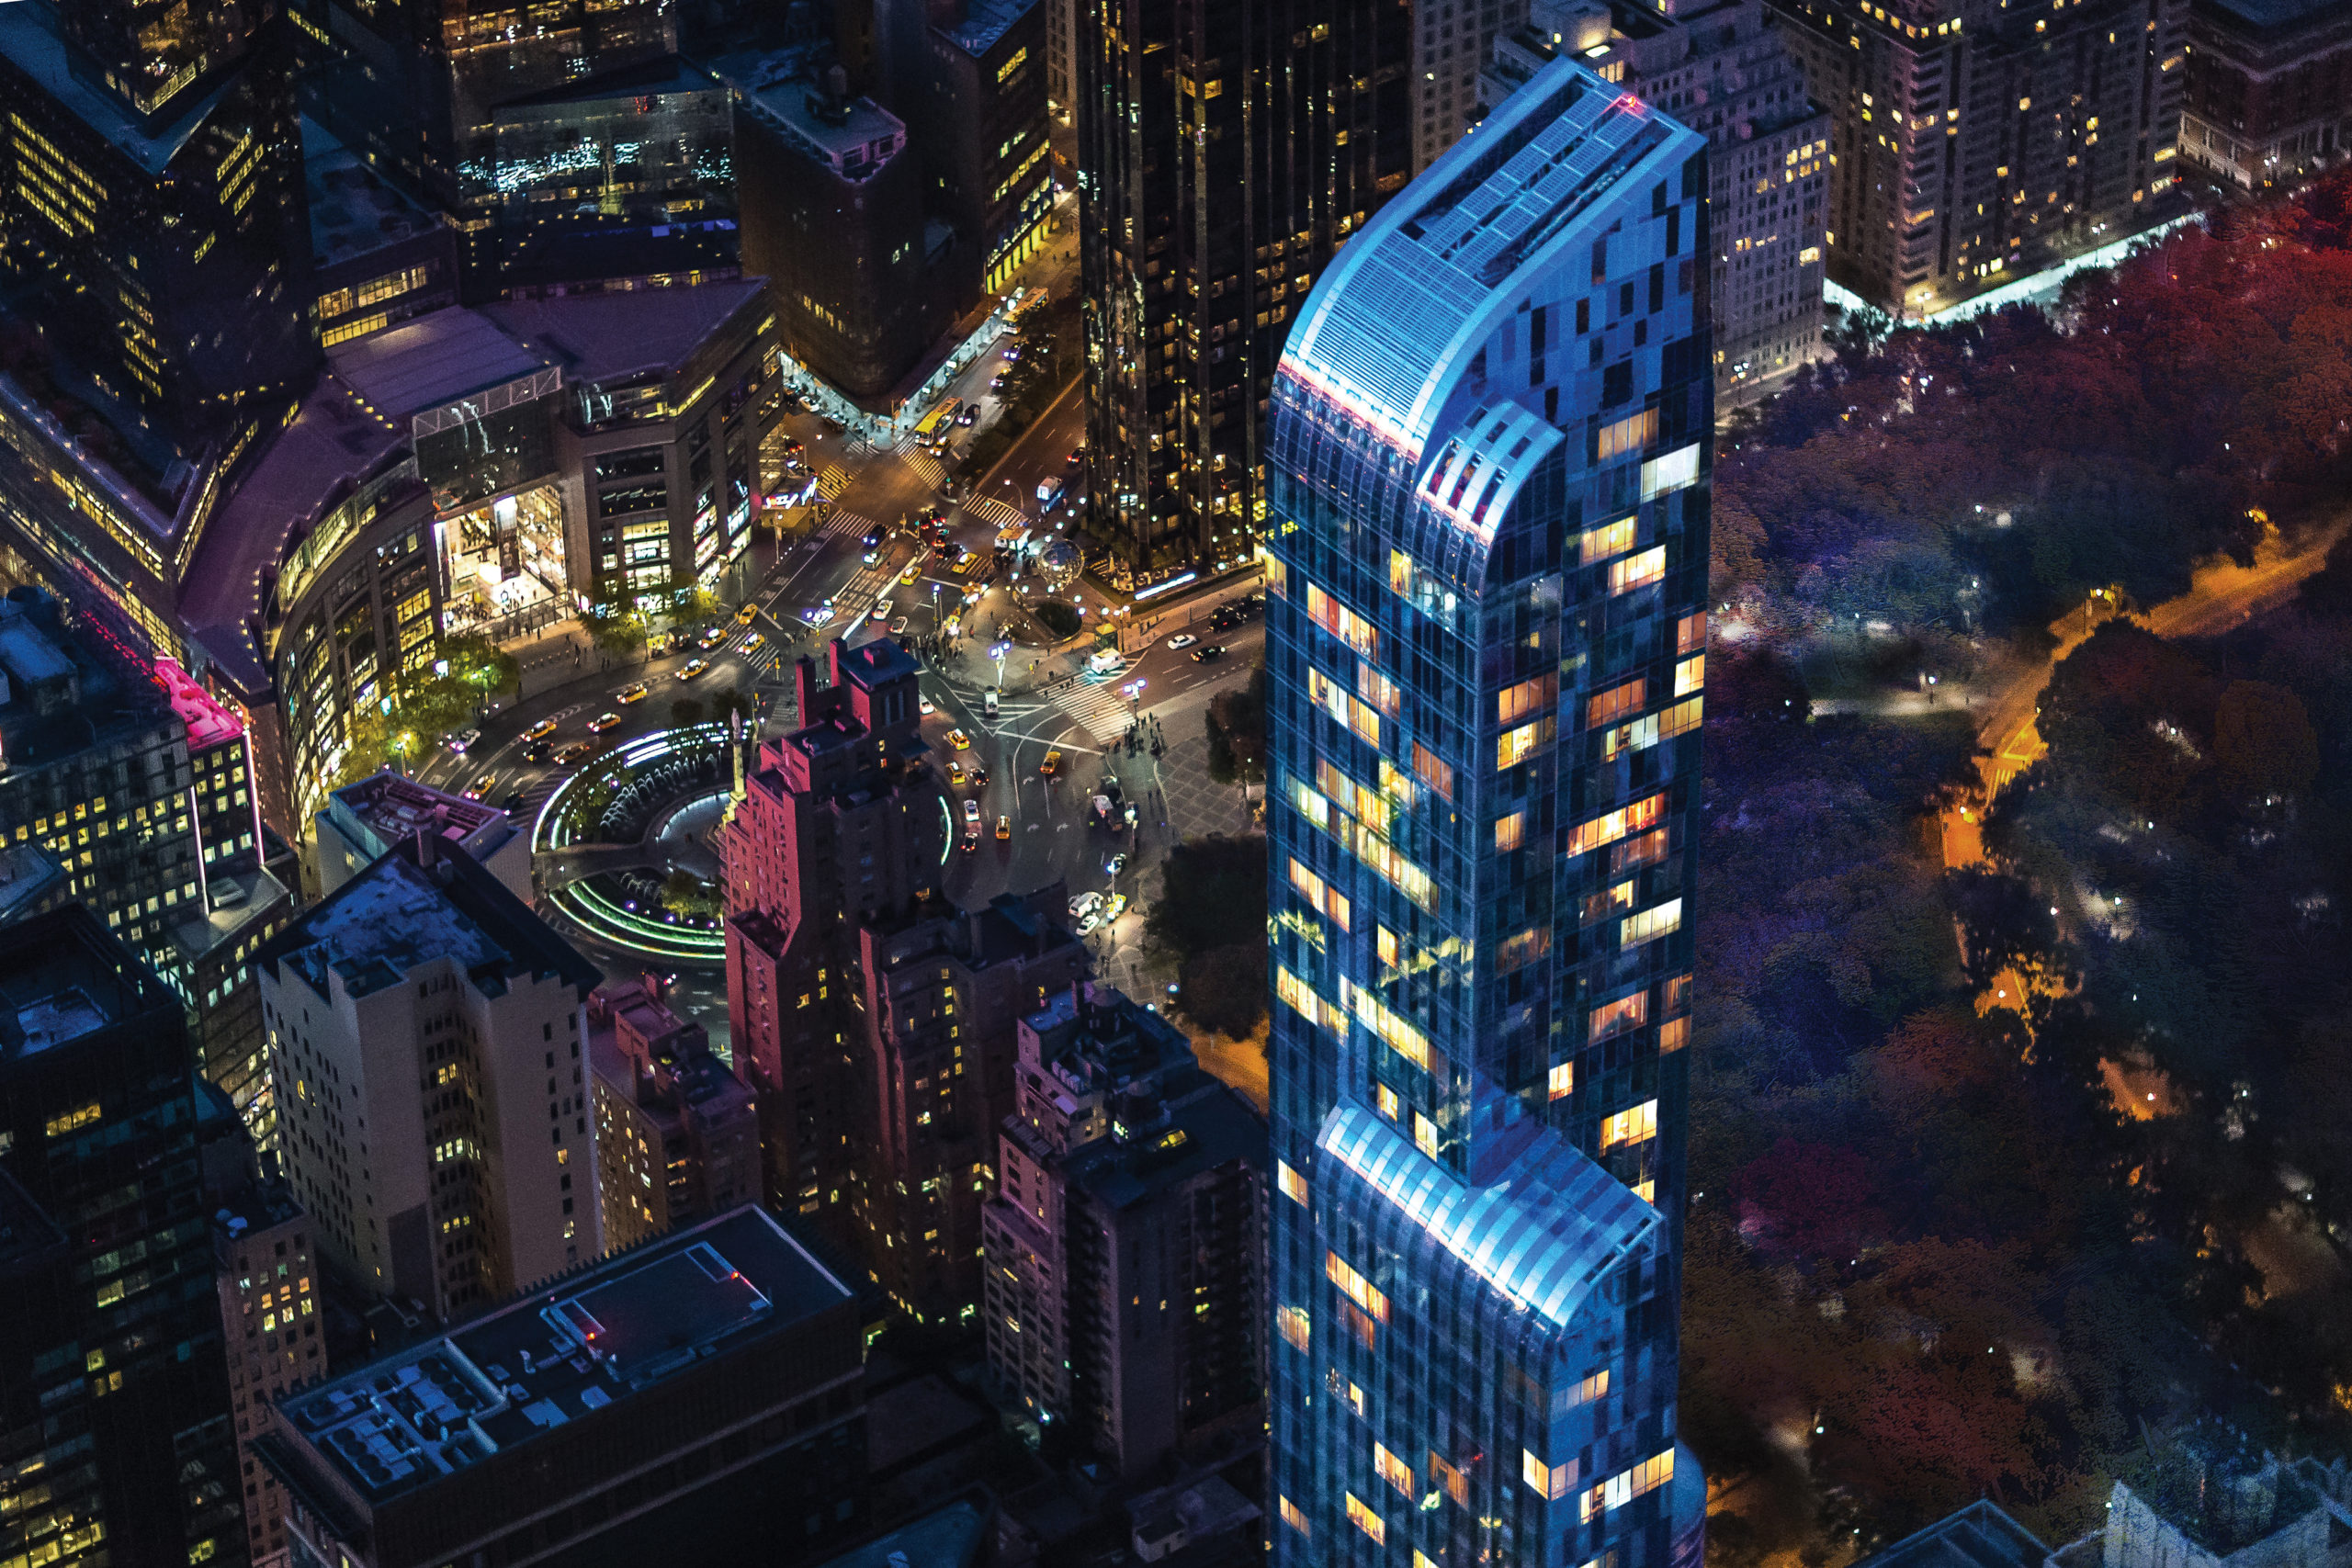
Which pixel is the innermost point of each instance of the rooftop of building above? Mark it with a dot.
(235, 896)
(28, 42)
(72, 686)
(662, 74)
(258, 1205)
(1095, 1039)
(608, 336)
(951, 1537)
(30, 879)
(2274, 16)
(431, 360)
(1546, 1226)
(354, 210)
(1390, 331)
(390, 807)
(1203, 1125)
(416, 906)
(2221, 1489)
(64, 977)
(1978, 1536)
(693, 1074)
(853, 136)
(983, 23)
(587, 1343)
(209, 723)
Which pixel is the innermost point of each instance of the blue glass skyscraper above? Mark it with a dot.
(1488, 480)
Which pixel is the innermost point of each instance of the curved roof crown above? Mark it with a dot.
(1392, 327)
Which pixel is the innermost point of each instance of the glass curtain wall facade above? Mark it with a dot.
(1487, 483)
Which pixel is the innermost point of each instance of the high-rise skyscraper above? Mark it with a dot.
(115, 1437)
(1975, 141)
(425, 1041)
(1225, 151)
(1719, 67)
(1487, 462)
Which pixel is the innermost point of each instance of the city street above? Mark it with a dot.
(1053, 832)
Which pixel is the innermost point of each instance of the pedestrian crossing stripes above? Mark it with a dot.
(996, 513)
(845, 525)
(926, 467)
(1102, 710)
(832, 482)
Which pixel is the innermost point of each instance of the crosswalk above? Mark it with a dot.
(996, 513)
(925, 465)
(832, 482)
(840, 525)
(1102, 710)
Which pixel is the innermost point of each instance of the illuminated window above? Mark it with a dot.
(1607, 830)
(1294, 1327)
(1341, 622)
(1385, 1098)
(1365, 1519)
(1292, 1516)
(1691, 633)
(1690, 675)
(1392, 1469)
(1635, 851)
(1673, 1035)
(1523, 949)
(1511, 832)
(1450, 1480)
(1355, 1286)
(1625, 1012)
(1292, 1185)
(1563, 1080)
(1402, 1037)
(1593, 1387)
(1619, 1490)
(1629, 434)
(1433, 771)
(1385, 941)
(1377, 688)
(1607, 707)
(1637, 572)
(1515, 702)
(1648, 925)
(1336, 700)
(1517, 745)
(1400, 571)
(1636, 1125)
(1425, 1134)
(1546, 1480)
(1608, 539)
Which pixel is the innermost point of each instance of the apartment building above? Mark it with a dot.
(677, 1135)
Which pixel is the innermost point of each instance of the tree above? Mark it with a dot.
(685, 711)
(1224, 987)
(2263, 741)
(1237, 732)
(1212, 895)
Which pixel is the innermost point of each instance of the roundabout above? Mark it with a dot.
(624, 846)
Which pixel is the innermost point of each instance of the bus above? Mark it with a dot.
(939, 425)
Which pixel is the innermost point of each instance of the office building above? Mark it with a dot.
(697, 1400)
(435, 103)
(1452, 41)
(425, 1036)
(1488, 524)
(677, 1135)
(362, 822)
(626, 178)
(376, 256)
(1126, 1245)
(1723, 72)
(1224, 153)
(939, 992)
(272, 1319)
(1972, 142)
(2269, 92)
(832, 199)
(171, 218)
(972, 90)
(112, 1370)
(140, 786)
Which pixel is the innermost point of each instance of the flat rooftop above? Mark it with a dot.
(590, 1343)
(353, 211)
(431, 360)
(865, 134)
(985, 24)
(1979, 1536)
(209, 724)
(33, 49)
(397, 915)
(606, 336)
(394, 807)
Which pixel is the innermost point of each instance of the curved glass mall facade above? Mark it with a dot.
(1488, 450)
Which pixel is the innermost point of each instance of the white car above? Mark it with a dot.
(972, 811)
(881, 609)
(1086, 926)
(1084, 904)
(1183, 639)
(463, 739)
(925, 704)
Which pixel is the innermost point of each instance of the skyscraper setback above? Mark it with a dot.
(1225, 152)
(1487, 508)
